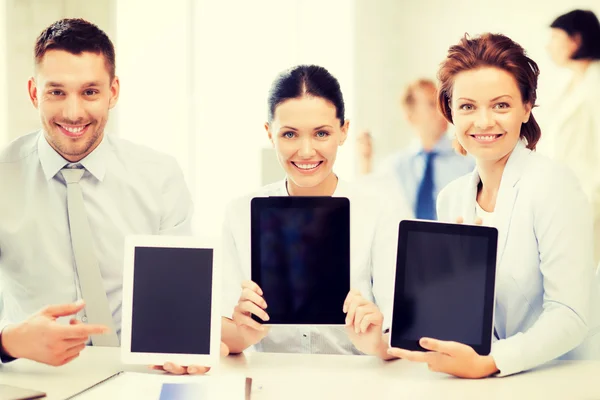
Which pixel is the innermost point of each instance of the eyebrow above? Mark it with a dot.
(60, 85)
(494, 99)
(314, 129)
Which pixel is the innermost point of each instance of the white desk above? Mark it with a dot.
(297, 376)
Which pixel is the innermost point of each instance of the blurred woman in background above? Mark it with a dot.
(572, 134)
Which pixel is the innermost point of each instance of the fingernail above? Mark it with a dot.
(357, 329)
(168, 365)
(424, 342)
(79, 302)
(192, 370)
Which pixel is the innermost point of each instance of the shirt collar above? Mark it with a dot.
(52, 162)
(339, 191)
(443, 146)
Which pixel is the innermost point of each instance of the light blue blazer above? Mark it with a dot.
(547, 286)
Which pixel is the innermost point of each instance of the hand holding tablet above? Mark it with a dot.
(364, 324)
(444, 297)
(176, 369)
(251, 303)
(450, 357)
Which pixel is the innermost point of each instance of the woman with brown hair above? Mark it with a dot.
(545, 284)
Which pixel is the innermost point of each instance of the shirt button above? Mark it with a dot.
(84, 318)
(304, 335)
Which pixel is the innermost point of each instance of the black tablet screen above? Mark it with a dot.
(443, 287)
(301, 258)
(172, 291)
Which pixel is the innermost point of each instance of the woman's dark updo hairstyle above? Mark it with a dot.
(306, 80)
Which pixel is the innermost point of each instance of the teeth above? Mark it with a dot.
(306, 166)
(73, 130)
(487, 137)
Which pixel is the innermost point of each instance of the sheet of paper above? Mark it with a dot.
(136, 385)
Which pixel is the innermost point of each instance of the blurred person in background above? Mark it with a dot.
(428, 164)
(572, 134)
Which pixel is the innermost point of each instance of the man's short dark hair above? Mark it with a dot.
(76, 35)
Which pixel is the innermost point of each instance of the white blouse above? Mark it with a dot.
(373, 240)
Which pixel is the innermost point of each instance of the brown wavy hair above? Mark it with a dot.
(491, 50)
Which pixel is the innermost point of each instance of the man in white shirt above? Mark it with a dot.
(126, 189)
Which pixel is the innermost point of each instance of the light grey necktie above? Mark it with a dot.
(90, 281)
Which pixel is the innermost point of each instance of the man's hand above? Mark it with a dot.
(364, 147)
(40, 338)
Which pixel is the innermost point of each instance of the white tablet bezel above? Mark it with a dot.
(129, 357)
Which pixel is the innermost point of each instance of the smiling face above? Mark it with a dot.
(488, 111)
(73, 94)
(306, 134)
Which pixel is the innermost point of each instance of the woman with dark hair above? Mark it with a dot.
(545, 283)
(572, 134)
(306, 125)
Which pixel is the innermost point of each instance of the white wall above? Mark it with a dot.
(154, 67)
(195, 76)
(398, 42)
(3, 75)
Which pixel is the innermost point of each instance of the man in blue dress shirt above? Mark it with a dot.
(429, 163)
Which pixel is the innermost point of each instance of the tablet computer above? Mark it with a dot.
(445, 285)
(300, 250)
(8, 392)
(170, 291)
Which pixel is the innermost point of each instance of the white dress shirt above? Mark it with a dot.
(127, 189)
(373, 241)
(572, 136)
(547, 291)
(408, 168)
